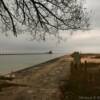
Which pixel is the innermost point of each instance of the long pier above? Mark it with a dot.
(24, 53)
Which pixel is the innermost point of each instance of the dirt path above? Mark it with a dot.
(43, 81)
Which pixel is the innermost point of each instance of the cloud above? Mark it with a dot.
(82, 41)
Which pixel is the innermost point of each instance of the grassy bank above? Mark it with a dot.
(83, 83)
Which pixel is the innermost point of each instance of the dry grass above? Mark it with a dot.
(81, 84)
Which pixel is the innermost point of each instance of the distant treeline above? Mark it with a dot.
(90, 54)
(95, 55)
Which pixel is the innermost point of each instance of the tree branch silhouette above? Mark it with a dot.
(43, 16)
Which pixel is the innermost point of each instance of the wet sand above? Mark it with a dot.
(43, 81)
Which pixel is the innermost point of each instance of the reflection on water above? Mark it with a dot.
(10, 63)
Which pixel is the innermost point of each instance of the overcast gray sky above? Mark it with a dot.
(81, 41)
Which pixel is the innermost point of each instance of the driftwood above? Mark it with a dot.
(5, 84)
(6, 78)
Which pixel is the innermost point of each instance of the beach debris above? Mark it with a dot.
(6, 78)
(5, 84)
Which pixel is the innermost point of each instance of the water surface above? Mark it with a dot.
(10, 63)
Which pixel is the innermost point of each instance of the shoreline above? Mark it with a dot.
(29, 53)
(19, 62)
(54, 79)
(35, 66)
(40, 82)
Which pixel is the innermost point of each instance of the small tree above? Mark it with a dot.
(42, 16)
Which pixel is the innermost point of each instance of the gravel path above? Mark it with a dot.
(43, 81)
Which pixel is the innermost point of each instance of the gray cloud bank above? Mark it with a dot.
(80, 41)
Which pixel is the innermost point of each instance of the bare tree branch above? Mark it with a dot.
(43, 16)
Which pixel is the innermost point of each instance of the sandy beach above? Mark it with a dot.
(43, 81)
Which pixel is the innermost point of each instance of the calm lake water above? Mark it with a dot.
(10, 63)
